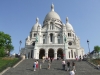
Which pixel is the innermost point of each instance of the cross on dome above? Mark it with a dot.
(52, 7)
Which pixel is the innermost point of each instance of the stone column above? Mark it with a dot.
(55, 55)
(46, 53)
(47, 39)
(55, 39)
(34, 54)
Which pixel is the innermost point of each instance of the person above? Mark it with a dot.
(34, 66)
(51, 59)
(49, 64)
(40, 64)
(73, 66)
(68, 66)
(98, 67)
(80, 57)
(43, 59)
(72, 72)
(63, 64)
(76, 57)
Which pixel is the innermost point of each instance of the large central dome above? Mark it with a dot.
(52, 14)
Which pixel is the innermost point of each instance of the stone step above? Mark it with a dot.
(26, 68)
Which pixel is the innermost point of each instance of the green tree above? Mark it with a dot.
(9, 48)
(2, 52)
(97, 49)
(5, 43)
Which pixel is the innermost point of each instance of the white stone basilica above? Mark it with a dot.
(52, 39)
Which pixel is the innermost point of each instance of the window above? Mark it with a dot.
(58, 39)
(51, 37)
(34, 35)
(69, 34)
(72, 53)
(69, 54)
(51, 26)
(70, 43)
(43, 39)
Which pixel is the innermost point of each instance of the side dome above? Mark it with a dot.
(68, 25)
(34, 28)
(52, 14)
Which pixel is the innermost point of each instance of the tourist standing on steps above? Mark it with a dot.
(73, 66)
(68, 65)
(43, 59)
(51, 59)
(40, 64)
(34, 66)
(63, 64)
(49, 64)
(37, 64)
(80, 57)
(72, 72)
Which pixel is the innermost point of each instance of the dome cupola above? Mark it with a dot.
(52, 14)
(35, 27)
(68, 25)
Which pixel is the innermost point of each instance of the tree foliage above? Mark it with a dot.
(97, 49)
(5, 44)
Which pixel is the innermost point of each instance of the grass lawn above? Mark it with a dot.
(96, 61)
(7, 62)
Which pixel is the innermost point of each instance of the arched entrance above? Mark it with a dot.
(60, 53)
(41, 53)
(51, 53)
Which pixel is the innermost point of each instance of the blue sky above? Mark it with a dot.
(18, 16)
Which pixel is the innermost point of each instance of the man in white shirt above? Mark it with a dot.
(63, 64)
(72, 72)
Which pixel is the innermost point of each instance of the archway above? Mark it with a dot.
(60, 53)
(51, 53)
(41, 53)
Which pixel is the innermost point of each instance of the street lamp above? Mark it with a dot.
(20, 42)
(88, 46)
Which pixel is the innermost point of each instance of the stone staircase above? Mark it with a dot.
(25, 68)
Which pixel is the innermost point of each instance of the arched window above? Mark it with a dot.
(35, 35)
(69, 34)
(51, 26)
(51, 37)
(72, 53)
(58, 39)
(43, 39)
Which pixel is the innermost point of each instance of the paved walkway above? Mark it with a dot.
(25, 68)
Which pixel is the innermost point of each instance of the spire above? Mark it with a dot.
(67, 19)
(37, 20)
(52, 7)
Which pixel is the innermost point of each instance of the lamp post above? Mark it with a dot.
(20, 42)
(88, 46)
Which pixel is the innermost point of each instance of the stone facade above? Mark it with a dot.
(52, 39)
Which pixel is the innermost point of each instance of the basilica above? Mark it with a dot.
(52, 39)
